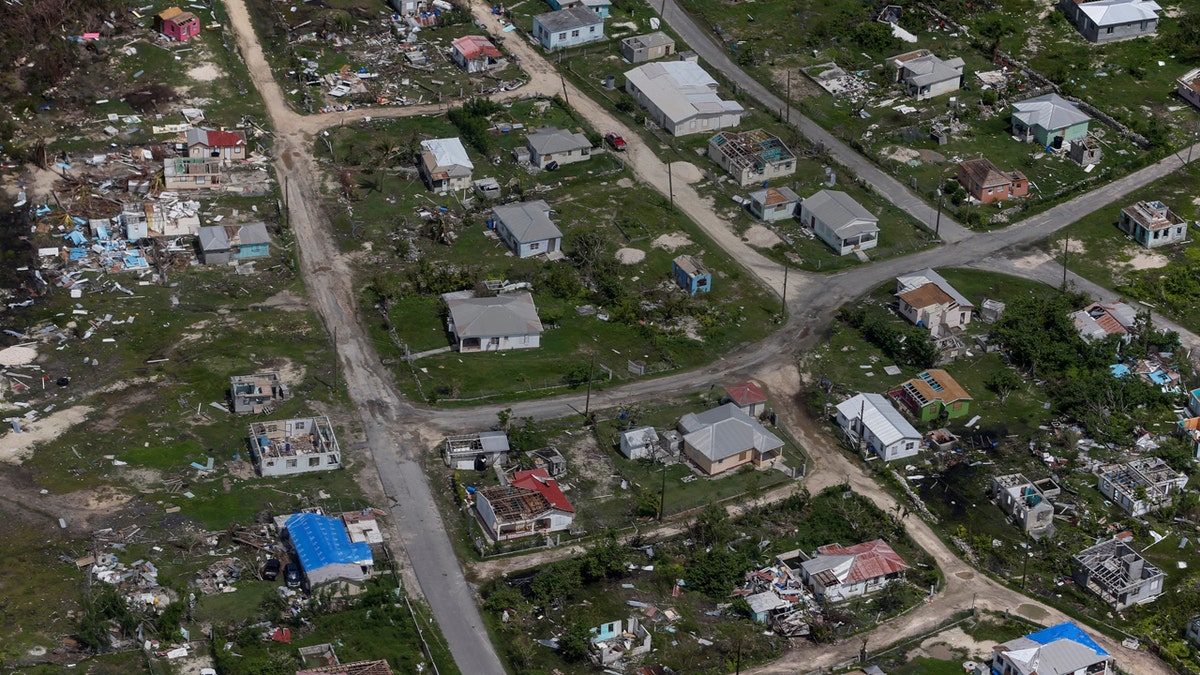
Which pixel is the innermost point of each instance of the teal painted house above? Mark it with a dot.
(1049, 120)
(690, 275)
(227, 243)
(600, 7)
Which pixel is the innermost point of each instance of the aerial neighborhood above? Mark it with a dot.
(582, 336)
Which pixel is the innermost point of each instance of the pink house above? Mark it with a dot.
(177, 24)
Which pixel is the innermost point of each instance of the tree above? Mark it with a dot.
(556, 582)
(1003, 382)
(875, 37)
(714, 572)
(573, 644)
(712, 526)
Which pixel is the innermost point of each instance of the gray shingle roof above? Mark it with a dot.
(568, 19)
(841, 213)
(527, 221)
(551, 141)
(503, 315)
(724, 432)
(1050, 112)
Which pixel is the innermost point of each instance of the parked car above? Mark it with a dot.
(291, 575)
(271, 570)
(615, 141)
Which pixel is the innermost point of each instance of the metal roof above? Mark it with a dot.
(879, 416)
(914, 280)
(527, 221)
(503, 315)
(569, 19)
(1118, 12)
(841, 213)
(725, 431)
(649, 40)
(680, 89)
(551, 141)
(773, 196)
(446, 154)
(475, 46)
(1050, 112)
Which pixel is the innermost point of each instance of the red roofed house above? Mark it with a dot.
(224, 145)
(475, 54)
(839, 572)
(532, 503)
(177, 24)
(748, 397)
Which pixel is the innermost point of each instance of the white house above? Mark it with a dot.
(1058, 650)
(872, 419)
(548, 146)
(494, 324)
(445, 165)
(840, 221)
(325, 551)
(639, 442)
(839, 572)
(476, 54)
(926, 299)
(526, 228)
(532, 503)
(924, 75)
(568, 27)
(682, 98)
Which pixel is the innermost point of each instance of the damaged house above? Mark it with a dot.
(187, 173)
(1117, 573)
(839, 572)
(286, 447)
(257, 393)
(444, 165)
(227, 146)
(752, 157)
(325, 552)
(531, 504)
(223, 244)
(611, 642)
(1140, 486)
(1027, 502)
(476, 451)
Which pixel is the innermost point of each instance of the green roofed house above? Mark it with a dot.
(1048, 120)
(931, 392)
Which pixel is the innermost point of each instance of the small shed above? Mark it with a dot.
(690, 275)
(774, 204)
(748, 397)
(991, 310)
(639, 442)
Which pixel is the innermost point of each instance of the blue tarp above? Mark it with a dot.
(1119, 369)
(1066, 631)
(321, 540)
(1159, 377)
(75, 237)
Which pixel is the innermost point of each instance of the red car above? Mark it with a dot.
(615, 141)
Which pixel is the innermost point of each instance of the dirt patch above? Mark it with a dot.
(205, 72)
(950, 645)
(286, 300)
(290, 372)
(17, 356)
(1142, 260)
(630, 256)
(686, 172)
(1031, 261)
(672, 241)
(625, 183)
(16, 448)
(900, 154)
(759, 236)
(931, 156)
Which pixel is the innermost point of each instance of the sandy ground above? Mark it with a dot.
(17, 356)
(686, 172)
(630, 256)
(761, 237)
(625, 183)
(205, 72)
(900, 154)
(16, 448)
(950, 644)
(1147, 260)
(672, 241)
(286, 300)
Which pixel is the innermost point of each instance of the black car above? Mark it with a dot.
(291, 575)
(271, 570)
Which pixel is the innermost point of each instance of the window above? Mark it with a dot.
(574, 33)
(535, 246)
(291, 464)
(592, 29)
(1108, 31)
(562, 36)
(314, 461)
(333, 459)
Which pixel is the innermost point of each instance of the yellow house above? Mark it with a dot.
(725, 438)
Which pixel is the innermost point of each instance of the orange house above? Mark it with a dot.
(989, 184)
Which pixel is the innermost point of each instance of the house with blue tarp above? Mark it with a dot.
(325, 552)
(1059, 650)
(690, 275)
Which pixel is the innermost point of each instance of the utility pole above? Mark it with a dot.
(662, 495)
(787, 96)
(1066, 247)
(670, 185)
(562, 78)
(937, 228)
(783, 308)
(587, 403)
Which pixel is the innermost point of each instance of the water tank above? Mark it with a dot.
(610, 82)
